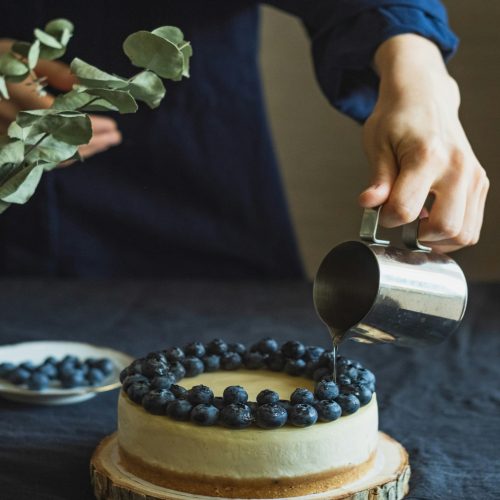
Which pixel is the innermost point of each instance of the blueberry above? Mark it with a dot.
(344, 380)
(313, 353)
(95, 376)
(156, 401)
(193, 366)
(236, 416)
(50, 360)
(311, 367)
(293, 349)
(302, 415)
(154, 368)
(267, 397)
(157, 356)
(218, 402)
(230, 361)
(253, 360)
(365, 376)
(204, 414)
(211, 362)
(348, 371)
(179, 409)
(237, 347)
(235, 394)
(19, 376)
(195, 349)
(28, 365)
(132, 379)
(217, 346)
(271, 416)
(178, 391)
(253, 407)
(49, 370)
(326, 360)
(267, 346)
(321, 373)
(363, 393)
(349, 403)
(6, 368)
(295, 367)
(175, 354)
(301, 395)
(200, 394)
(328, 410)
(66, 370)
(38, 381)
(326, 390)
(105, 365)
(341, 362)
(276, 361)
(164, 382)
(75, 379)
(177, 370)
(70, 359)
(136, 366)
(137, 391)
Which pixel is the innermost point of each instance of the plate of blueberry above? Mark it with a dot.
(54, 373)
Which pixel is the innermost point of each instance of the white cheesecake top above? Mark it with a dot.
(248, 453)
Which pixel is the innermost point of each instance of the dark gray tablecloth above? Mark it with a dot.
(442, 403)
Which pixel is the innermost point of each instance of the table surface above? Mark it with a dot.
(442, 403)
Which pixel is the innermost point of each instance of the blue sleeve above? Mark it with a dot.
(346, 33)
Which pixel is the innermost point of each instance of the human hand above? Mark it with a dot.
(416, 146)
(24, 96)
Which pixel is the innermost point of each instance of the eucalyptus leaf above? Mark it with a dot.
(93, 77)
(67, 126)
(50, 53)
(16, 132)
(11, 151)
(149, 51)
(147, 87)
(187, 52)
(33, 54)
(56, 27)
(29, 118)
(12, 68)
(47, 39)
(20, 187)
(79, 99)
(121, 99)
(3, 206)
(51, 150)
(4, 92)
(170, 33)
(21, 48)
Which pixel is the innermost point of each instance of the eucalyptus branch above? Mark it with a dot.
(162, 54)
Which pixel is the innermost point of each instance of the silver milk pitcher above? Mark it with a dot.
(369, 291)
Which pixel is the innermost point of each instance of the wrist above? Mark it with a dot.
(410, 65)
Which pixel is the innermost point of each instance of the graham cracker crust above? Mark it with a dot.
(245, 488)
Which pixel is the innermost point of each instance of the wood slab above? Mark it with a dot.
(387, 480)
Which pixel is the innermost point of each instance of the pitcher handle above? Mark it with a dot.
(369, 226)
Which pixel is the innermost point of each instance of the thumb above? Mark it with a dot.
(58, 74)
(381, 184)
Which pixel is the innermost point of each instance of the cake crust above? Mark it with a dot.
(227, 487)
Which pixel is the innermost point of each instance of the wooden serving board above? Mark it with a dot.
(387, 480)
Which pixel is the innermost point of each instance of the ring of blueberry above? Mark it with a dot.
(152, 382)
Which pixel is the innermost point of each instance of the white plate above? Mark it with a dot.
(39, 351)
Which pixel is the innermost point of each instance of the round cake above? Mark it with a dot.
(228, 432)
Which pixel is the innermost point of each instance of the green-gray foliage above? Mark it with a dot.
(38, 140)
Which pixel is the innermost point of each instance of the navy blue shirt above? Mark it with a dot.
(194, 189)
